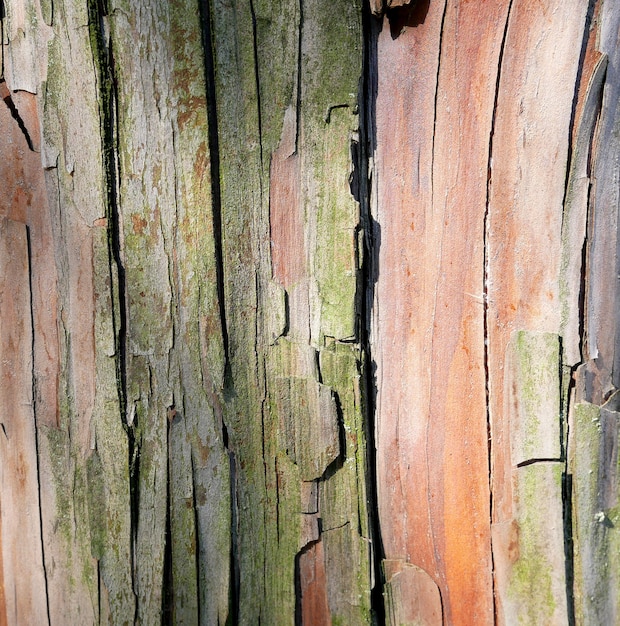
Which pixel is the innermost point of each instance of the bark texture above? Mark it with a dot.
(308, 313)
(491, 206)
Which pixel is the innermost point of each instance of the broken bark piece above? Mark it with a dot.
(309, 425)
(346, 551)
(532, 395)
(313, 600)
(411, 595)
(529, 558)
(578, 193)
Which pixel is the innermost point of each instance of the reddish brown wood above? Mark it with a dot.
(313, 583)
(526, 193)
(24, 199)
(434, 114)
(22, 577)
(288, 256)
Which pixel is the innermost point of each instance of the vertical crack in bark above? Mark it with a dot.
(441, 31)
(300, 33)
(235, 568)
(103, 58)
(369, 274)
(429, 473)
(485, 301)
(216, 192)
(36, 432)
(580, 67)
(568, 396)
(257, 81)
(205, 10)
(197, 537)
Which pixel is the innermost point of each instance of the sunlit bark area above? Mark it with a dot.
(308, 312)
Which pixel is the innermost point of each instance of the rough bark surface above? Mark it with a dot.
(308, 313)
(489, 304)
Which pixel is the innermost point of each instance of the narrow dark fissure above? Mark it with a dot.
(36, 433)
(485, 299)
(214, 152)
(571, 127)
(206, 10)
(234, 588)
(197, 536)
(103, 58)
(257, 81)
(569, 394)
(369, 274)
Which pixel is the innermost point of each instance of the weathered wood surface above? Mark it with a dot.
(22, 579)
(593, 444)
(183, 172)
(234, 237)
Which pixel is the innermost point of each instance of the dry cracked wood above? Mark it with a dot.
(308, 315)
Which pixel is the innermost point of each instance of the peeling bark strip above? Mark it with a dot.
(309, 316)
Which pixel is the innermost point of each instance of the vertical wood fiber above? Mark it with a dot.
(434, 119)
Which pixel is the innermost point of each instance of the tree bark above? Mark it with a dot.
(308, 313)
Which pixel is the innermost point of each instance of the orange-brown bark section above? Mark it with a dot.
(436, 89)
(286, 218)
(23, 198)
(313, 583)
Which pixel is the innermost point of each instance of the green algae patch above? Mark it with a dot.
(536, 591)
(533, 387)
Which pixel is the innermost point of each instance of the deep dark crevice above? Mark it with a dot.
(298, 586)
(569, 552)
(569, 394)
(369, 275)
(8, 100)
(567, 504)
(258, 84)
(36, 430)
(407, 16)
(99, 591)
(197, 535)
(540, 460)
(103, 58)
(485, 299)
(216, 191)
(298, 95)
